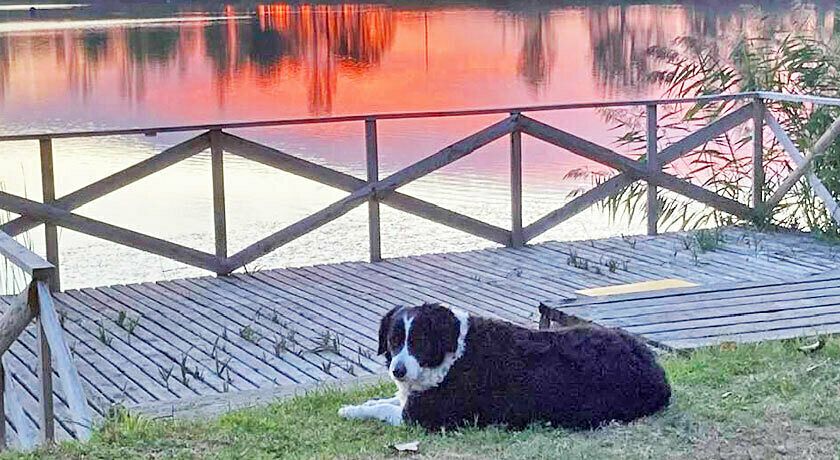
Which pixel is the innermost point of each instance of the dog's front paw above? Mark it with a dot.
(349, 412)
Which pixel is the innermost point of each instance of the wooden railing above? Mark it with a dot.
(36, 303)
(374, 190)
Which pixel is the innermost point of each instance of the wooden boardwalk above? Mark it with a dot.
(171, 344)
(709, 315)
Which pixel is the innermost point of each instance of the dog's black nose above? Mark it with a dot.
(399, 371)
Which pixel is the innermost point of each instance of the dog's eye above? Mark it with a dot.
(396, 339)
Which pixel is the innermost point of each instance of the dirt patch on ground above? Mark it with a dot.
(776, 439)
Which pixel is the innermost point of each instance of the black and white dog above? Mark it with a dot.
(452, 369)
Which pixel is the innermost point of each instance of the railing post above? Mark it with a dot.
(46, 395)
(372, 154)
(48, 190)
(758, 185)
(652, 165)
(219, 215)
(516, 236)
(2, 407)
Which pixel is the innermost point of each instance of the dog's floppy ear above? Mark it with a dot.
(384, 328)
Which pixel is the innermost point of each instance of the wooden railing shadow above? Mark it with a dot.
(35, 303)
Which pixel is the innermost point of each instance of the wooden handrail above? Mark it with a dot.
(36, 302)
(116, 181)
(25, 259)
(71, 383)
(377, 116)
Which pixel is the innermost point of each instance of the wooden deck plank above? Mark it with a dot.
(288, 323)
(596, 268)
(759, 301)
(232, 344)
(307, 324)
(465, 285)
(663, 264)
(544, 276)
(677, 261)
(689, 300)
(523, 292)
(743, 328)
(362, 332)
(103, 361)
(150, 333)
(750, 337)
(427, 292)
(440, 291)
(699, 265)
(230, 315)
(511, 278)
(736, 260)
(132, 356)
(793, 253)
(520, 272)
(318, 319)
(191, 340)
(800, 309)
(501, 288)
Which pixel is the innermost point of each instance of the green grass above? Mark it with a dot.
(768, 400)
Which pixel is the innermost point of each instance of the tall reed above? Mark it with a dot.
(788, 63)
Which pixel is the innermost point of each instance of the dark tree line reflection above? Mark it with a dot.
(319, 42)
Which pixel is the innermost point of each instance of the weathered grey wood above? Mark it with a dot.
(403, 116)
(219, 214)
(706, 134)
(617, 183)
(70, 382)
(607, 157)
(259, 316)
(517, 238)
(173, 336)
(308, 318)
(116, 181)
(822, 144)
(379, 189)
(48, 190)
(372, 161)
(816, 184)
(147, 350)
(25, 259)
(109, 232)
(610, 187)
(277, 159)
(25, 435)
(756, 312)
(758, 154)
(653, 165)
(45, 397)
(757, 299)
(21, 312)
(259, 372)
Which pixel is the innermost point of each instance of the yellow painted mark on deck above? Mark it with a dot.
(636, 287)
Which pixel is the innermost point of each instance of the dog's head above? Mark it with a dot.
(414, 339)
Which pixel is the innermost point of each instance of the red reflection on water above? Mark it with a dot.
(295, 60)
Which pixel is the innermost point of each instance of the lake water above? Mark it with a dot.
(111, 65)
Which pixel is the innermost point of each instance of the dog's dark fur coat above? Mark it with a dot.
(576, 377)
